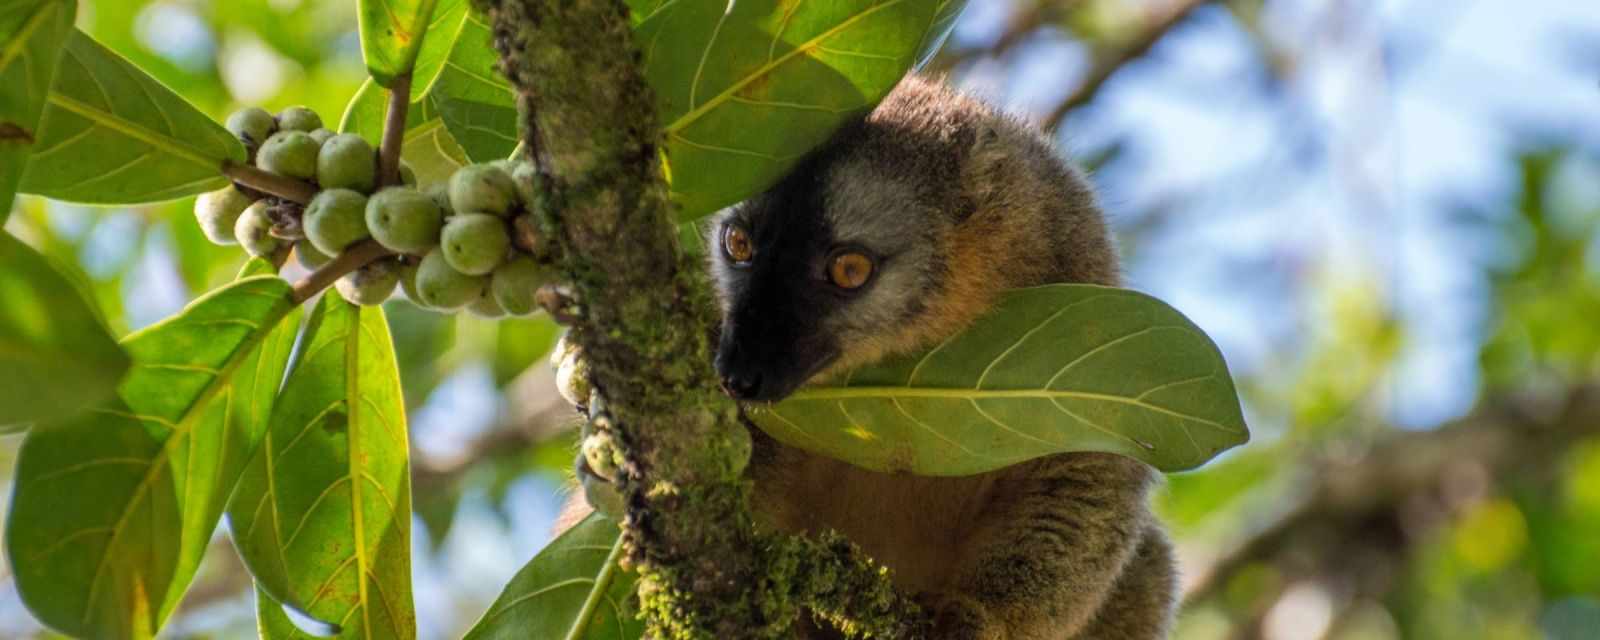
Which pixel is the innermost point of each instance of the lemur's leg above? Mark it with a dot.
(1049, 552)
(1141, 606)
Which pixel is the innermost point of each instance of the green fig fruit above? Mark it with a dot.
(475, 243)
(289, 153)
(299, 119)
(524, 176)
(371, 284)
(404, 220)
(347, 161)
(253, 230)
(253, 125)
(486, 307)
(482, 188)
(308, 256)
(408, 282)
(336, 219)
(218, 211)
(513, 284)
(442, 287)
(322, 136)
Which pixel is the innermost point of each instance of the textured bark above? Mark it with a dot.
(643, 309)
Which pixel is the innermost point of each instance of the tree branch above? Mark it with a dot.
(353, 257)
(1157, 24)
(590, 126)
(269, 183)
(394, 131)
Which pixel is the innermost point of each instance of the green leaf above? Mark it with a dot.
(443, 31)
(520, 343)
(322, 515)
(745, 89)
(1052, 369)
(392, 32)
(114, 509)
(111, 134)
(31, 34)
(572, 590)
(55, 355)
(476, 102)
(428, 147)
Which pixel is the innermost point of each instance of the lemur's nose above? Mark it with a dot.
(744, 385)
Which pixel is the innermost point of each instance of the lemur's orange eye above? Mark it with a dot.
(736, 243)
(850, 270)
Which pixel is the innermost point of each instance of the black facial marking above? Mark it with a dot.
(772, 337)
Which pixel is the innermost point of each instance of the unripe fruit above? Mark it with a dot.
(442, 287)
(572, 378)
(513, 284)
(441, 195)
(370, 284)
(404, 220)
(347, 161)
(524, 176)
(336, 219)
(603, 496)
(322, 136)
(407, 176)
(600, 452)
(564, 349)
(252, 125)
(254, 231)
(475, 243)
(486, 307)
(408, 283)
(289, 153)
(308, 256)
(299, 119)
(218, 211)
(482, 188)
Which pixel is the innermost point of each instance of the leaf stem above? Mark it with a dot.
(394, 130)
(602, 585)
(271, 183)
(354, 257)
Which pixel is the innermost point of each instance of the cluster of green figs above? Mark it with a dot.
(452, 244)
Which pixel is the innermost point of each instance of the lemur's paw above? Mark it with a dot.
(958, 617)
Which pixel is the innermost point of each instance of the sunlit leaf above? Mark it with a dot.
(55, 355)
(31, 35)
(475, 101)
(572, 590)
(322, 515)
(114, 509)
(792, 71)
(428, 149)
(391, 35)
(1052, 369)
(111, 134)
(444, 30)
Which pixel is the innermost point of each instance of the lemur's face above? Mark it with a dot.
(816, 272)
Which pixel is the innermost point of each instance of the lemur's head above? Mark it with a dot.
(895, 235)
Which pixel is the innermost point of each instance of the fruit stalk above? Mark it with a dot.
(270, 183)
(355, 257)
(394, 131)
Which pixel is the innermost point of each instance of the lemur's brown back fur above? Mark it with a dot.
(1062, 547)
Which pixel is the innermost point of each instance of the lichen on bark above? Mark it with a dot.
(590, 129)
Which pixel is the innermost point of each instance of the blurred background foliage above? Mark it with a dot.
(1387, 213)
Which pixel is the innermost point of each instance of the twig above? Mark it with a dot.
(1158, 24)
(354, 257)
(394, 131)
(270, 183)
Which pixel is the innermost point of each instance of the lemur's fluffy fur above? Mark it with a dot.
(957, 203)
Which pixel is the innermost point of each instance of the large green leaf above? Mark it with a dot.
(31, 35)
(1052, 369)
(113, 509)
(443, 30)
(572, 590)
(322, 515)
(392, 32)
(111, 134)
(475, 101)
(745, 89)
(55, 356)
(429, 148)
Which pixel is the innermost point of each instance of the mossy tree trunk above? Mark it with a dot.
(642, 313)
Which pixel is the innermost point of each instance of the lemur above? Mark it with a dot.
(898, 233)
